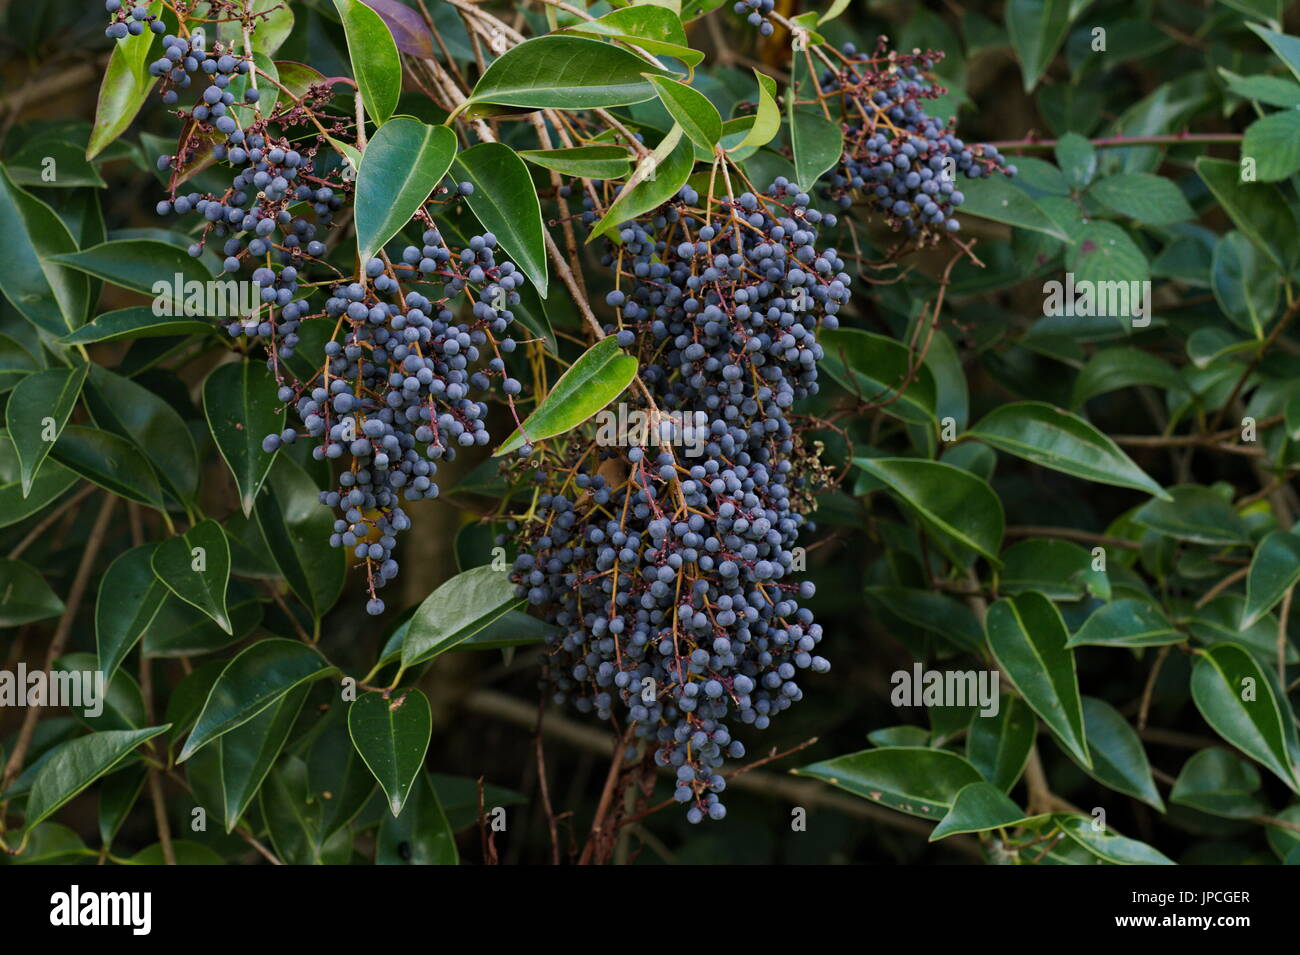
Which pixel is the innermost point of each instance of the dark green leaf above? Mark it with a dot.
(109, 461)
(24, 595)
(37, 411)
(1274, 570)
(240, 403)
(593, 162)
(376, 64)
(878, 370)
(456, 611)
(247, 753)
(505, 201)
(1126, 623)
(297, 529)
(998, 746)
(138, 321)
(392, 735)
(51, 296)
(1221, 783)
(915, 780)
(402, 165)
(196, 568)
(130, 596)
(978, 807)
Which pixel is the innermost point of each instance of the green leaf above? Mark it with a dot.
(293, 818)
(152, 425)
(147, 266)
(252, 681)
(816, 143)
(1262, 88)
(912, 779)
(376, 64)
(130, 596)
(402, 165)
(1195, 513)
(978, 807)
(457, 610)
(1117, 850)
(948, 500)
(297, 528)
(998, 746)
(138, 321)
(1286, 47)
(1126, 623)
(1056, 439)
(1237, 697)
(125, 87)
(196, 568)
(558, 71)
(185, 852)
(1036, 29)
(1274, 569)
(767, 121)
(117, 797)
(76, 765)
(1143, 197)
(1104, 253)
(1059, 569)
(392, 736)
(37, 411)
(1077, 159)
(598, 377)
(24, 595)
(1118, 759)
(52, 297)
(654, 29)
(1258, 209)
(505, 201)
(1114, 368)
(52, 480)
(1246, 284)
(1221, 783)
(240, 404)
(938, 613)
(992, 197)
(109, 461)
(656, 179)
(421, 835)
(698, 118)
(1028, 639)
(590, 162)
(878, 370)
(16, 363)
(338, 776)
(1220, 621)
(247, 753)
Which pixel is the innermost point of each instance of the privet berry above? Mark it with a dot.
(670, 580)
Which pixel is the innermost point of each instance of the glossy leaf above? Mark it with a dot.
(24, 595)
(592, 162)
(36, 413)
(138, 321)
(1117, 850)
(915, 780)
(558, 71)
(1237, 697)
(456, 611)
(999, 746)
(392, 735)
(240, 404)
(130, 596)
(376, 64)
(590, 383)
(691, 109)
(656, 179)
(196, 568)
(1258, 209)
(816, 144)
(297, 528)
(78, 764)
(52, 480)
(109, 461)
(878, 370)
(506, 203)
(1118, 759)
(421, 835)
(1064, 442)
(654, 29)
(147, 266)
(1028, 639)
(978, 807)
(1274, 570)
(402, 165)
(1126, 623)
(947, 499)
(252, 681)
(248, 752)
(51, 296)
(1194, 513)
(1221, 783)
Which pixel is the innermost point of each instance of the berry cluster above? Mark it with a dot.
(670, 579)
(756, 14)
(903, 162)
(132, 22)
(393, 392)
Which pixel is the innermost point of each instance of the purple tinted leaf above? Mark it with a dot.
(408, 28)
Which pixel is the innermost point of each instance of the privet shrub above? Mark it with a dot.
(730, 341)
